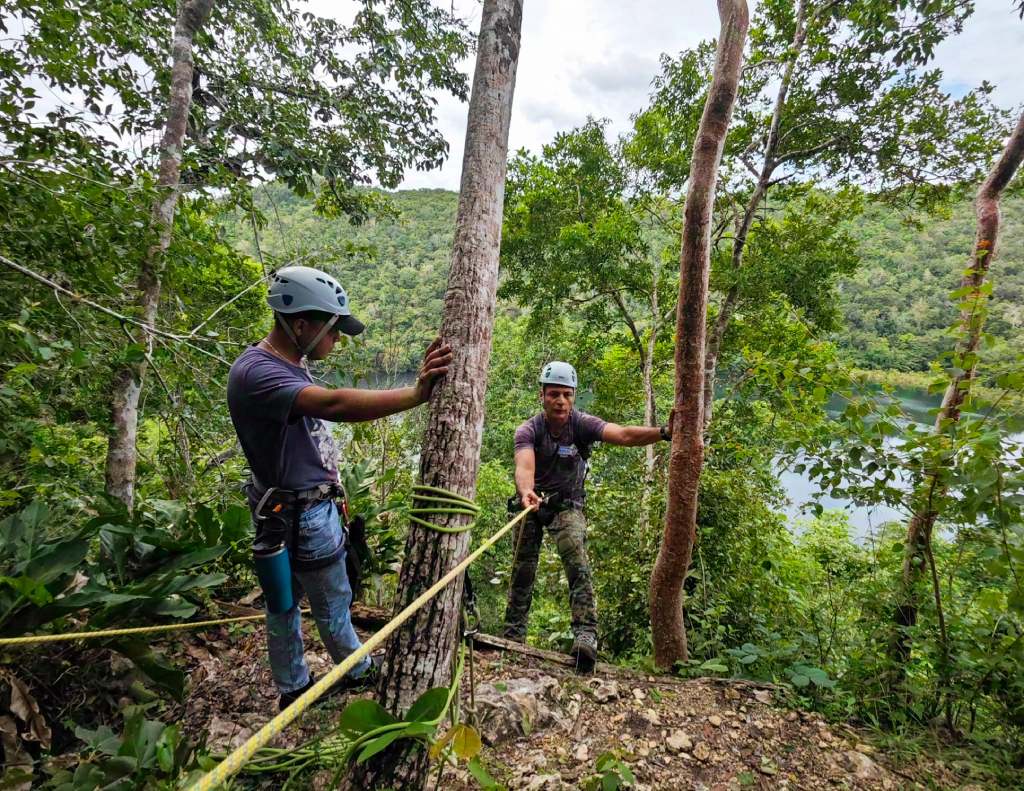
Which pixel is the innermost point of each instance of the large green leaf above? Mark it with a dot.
(428, 706)
(361, 716)
(374, 746)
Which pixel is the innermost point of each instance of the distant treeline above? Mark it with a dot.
(896, 306)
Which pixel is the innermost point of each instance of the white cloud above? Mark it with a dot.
(596, 58)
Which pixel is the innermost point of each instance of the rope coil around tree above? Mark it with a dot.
(234, 762)
(448, 502)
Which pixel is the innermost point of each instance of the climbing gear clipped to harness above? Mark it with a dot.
(298, 289)
(275, 549)
(558, 373)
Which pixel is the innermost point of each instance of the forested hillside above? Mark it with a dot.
(394, 269)
(895, 307)
(763, 539)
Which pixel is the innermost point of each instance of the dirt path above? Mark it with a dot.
(546, 727)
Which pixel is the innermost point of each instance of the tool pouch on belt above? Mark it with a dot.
(549, 506)
(277, 517)
(358, 556)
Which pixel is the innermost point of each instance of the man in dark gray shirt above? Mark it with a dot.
(279, 415)
(551, 452)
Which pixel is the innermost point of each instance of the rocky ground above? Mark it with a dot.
(544, 727)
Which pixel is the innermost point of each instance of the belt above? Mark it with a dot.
(285, 502)
(280, 499)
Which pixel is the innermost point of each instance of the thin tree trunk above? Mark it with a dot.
(127, 387)
(687, 455)
(419, 656)
(647, 364)
(768, 165)
(933, 488)
(650, 406)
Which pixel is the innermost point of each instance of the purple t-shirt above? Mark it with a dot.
(288, 452)
(560, 466)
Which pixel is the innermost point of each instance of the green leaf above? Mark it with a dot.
(167, 747)
(481, 775)
(374, 746)
(167, 678)
(362, 716)
(428, 706)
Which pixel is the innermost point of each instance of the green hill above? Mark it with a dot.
(896, 307)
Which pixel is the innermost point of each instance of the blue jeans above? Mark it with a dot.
(330, 596)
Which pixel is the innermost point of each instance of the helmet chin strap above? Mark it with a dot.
(304, 352)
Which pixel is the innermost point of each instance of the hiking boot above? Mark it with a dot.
(345, 684)
(584, 651)
(365, 681)
(513, 634)
(288, 698)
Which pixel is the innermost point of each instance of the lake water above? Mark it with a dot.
(920, 407)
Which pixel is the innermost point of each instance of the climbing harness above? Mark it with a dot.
(277, 516)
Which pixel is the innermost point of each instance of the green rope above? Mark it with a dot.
(446, 502)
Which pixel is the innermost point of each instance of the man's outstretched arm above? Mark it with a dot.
(351, 405)
(634, 436)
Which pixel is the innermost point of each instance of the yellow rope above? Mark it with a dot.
(230, 765)
(170, 627)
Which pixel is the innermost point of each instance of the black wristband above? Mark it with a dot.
(663, 430)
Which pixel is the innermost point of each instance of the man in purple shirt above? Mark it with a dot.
(551, 452)
(279, 415)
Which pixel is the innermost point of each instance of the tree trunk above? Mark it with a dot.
(768, 165)
(128, 379)
(932, 489)
(647, 371)
(419, 655)
(687, 455)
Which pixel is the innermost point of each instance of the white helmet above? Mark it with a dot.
(558, 373)
(296, 289)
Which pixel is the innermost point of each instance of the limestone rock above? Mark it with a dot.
(605, 691)
(525, 705)
(863, 767)
(679, 742)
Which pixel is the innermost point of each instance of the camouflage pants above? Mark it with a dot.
(569, 529)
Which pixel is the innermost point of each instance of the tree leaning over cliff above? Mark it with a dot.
(687, 455)
(973, 295)
(419, 656)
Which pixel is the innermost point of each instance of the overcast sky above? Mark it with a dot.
(597, 57)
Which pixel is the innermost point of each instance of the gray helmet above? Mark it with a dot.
(296, 289)
(558, 373)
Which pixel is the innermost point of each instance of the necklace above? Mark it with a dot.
(278, 352)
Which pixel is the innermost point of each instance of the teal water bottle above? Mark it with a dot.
(275, 575)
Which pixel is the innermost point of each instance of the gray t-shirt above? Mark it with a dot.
(288, 452)
(560, 465)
